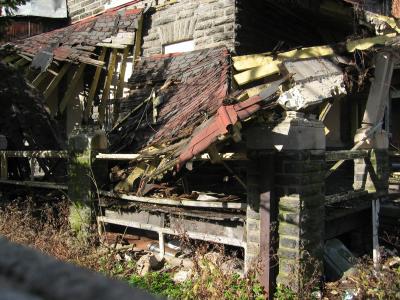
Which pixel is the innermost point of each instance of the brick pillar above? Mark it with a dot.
(372, 173)
(299, 175)
(83, 173)
(300, 186)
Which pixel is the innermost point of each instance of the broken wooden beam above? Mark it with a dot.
(104, 156)
(93, 87)
(56, 80)
(36, 184)
(72, 90)
(346, 155)
(342, 197)
(35, 154)
(258, 73)
(106, 90)
(180, 202)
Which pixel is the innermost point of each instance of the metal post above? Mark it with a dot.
(375, 236)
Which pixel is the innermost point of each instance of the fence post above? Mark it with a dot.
(3, 158)
(84, 176)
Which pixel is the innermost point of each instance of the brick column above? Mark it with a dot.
(300, 186)
(298, 169)
(83, 173)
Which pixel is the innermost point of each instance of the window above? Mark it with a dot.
(185, 46)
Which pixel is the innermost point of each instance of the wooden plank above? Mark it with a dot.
(36, 154)
(104, 156)
(138, 39)
(121, 82)
(36, 184)
(171, 202)
(21, 62)
(10, 58)
(106, 90)
(91, 61)
(304, 53)
(93, 87)
(72, 88)
(39, 79)
(356, 147)
(170, 231)
(342, 197)
(258, 73)
(3, 166)
(364, 44)
(56, 80)
(111, 45)
(346, 155)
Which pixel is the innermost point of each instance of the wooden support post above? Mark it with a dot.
(121, 82)
(138, 39)
(93, 87)
(161, 241)
(56, 80)
(3, 166)
(72, 88)
(106, 90)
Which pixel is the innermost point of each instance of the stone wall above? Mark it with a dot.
(209, 23)
(80, 9)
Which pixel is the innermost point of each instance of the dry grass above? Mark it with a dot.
(41, 222)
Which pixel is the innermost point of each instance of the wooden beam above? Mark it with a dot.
(106, 90)
(36, 184)
(121, 82)
(39, 79)
(10, 58)
(138, 39)
(171, 202)
(364, 44)
(170, 231)
(35, 154)
(21, 62)
(126, 157)
(258, 73)
(93, 87)
(56, 80)
(304, 53)
(72, 88)
(346, 155)
(342, 197)
(3, 166)
(111, 45)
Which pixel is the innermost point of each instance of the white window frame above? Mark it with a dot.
(183, 46)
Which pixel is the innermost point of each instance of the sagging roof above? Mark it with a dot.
(78, 41)
(170, 96)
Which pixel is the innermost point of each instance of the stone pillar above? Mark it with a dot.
(299, 186)
(372, 173)
(84, 175)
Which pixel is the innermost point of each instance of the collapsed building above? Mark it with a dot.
(175, 127)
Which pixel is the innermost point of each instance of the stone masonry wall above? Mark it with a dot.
(80, 9)
(209, 23)
(300, 187)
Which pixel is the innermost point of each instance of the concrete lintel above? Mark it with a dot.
(294, 132)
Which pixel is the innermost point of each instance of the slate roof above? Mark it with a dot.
(80, 39)
(199, 82)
